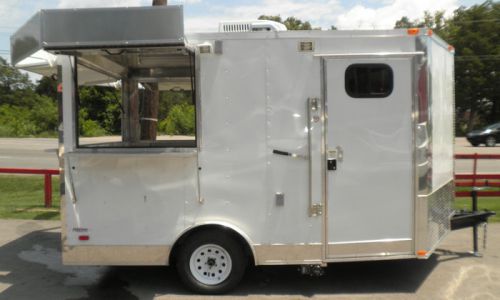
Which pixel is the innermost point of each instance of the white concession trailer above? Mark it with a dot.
(311, 147)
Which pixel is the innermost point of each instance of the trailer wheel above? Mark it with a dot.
(210, 262)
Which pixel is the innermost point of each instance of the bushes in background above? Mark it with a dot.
(180, 120)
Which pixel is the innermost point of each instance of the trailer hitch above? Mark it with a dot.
(475, 218)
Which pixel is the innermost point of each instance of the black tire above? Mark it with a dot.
(490, 141)
(474, 144)
(190, 248)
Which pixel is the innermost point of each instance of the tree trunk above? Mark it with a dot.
(149, 121)
(159, 2)
(130, 115)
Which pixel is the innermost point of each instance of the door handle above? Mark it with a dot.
(315, 124)
(340, 153)
(285, 153)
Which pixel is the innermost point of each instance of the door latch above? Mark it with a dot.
(333, 156)
(331, 160)
(316, 210)
(332, 164)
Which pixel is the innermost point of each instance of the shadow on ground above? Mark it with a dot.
(30, 267)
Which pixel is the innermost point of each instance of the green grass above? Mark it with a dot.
(489, 203)
(22, 197)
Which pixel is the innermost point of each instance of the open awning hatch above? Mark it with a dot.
(61, 30)
(108, 42)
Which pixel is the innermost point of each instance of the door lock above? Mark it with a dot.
(332, 164)
(333, 156)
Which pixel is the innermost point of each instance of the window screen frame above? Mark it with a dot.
(367, 95)
(159, 144)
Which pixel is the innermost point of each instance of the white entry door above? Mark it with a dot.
(369, 146)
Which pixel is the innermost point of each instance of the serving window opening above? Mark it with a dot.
(135, 98)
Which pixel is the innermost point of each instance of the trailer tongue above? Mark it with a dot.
(474, 218)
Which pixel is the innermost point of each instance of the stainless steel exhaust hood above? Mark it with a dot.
(67, 30)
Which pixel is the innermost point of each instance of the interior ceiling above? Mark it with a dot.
(171, 66)
(141, 57)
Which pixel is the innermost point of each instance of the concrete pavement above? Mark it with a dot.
(30, 268)
(42, 153)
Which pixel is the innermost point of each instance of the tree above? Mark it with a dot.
(404, 22)
(434, 21)
(180, 120)
(149, 127)
(47, 86)
(474, 32)
(101, 105)
(22, 111)
(15, 87)
(11, 79)
(291, 23)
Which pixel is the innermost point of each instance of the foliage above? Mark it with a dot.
(41, 120)
(435, 21)
(28, 109)
(15, 87)
(44, 116)
(474, 32)
(99, 110)
(179, 121)
(23, 112)
(291, 23)
(15, 121)
(47, 86)
(88, 127)
(169, 99)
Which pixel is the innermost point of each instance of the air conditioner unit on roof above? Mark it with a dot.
(248, 26)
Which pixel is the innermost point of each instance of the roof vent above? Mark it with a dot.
(248, 26)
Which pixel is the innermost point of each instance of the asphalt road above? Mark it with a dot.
(41, 153)
(37, 153)
(30, 268)
(483, 166)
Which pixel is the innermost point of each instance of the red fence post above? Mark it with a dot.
(48, 190)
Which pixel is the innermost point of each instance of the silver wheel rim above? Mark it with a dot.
(210, 264)
(490, 142)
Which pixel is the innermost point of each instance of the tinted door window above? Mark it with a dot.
(369, 80)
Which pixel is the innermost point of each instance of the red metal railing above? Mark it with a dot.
(47, 179)
(475, 179)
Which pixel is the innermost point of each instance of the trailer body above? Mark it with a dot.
(311, 146)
